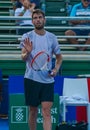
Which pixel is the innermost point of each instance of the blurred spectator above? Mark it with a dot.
(18, 3)
(80, 9)
(37, 3)
(25, 10)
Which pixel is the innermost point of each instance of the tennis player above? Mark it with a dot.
(39, 85)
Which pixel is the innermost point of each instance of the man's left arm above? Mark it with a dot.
(58, 62)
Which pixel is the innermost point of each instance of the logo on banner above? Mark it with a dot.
(54, 115)
(19, 114)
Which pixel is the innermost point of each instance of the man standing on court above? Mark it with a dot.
(39, 85)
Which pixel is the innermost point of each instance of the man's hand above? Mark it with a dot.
(53, 73)
(28, 45)
(26, 50)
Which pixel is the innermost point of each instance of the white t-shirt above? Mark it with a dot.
(47, 43)
(26, 14)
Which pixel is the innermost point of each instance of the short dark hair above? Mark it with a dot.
(38, 11)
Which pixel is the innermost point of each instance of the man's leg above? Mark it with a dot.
(71, 33)
(46, 112)
(33, 111)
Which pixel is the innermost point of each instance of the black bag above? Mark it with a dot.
(75, 126)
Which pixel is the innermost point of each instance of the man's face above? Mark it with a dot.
(26, 3)
(38, 21)
(86, 3)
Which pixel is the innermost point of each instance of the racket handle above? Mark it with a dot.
(50, 72)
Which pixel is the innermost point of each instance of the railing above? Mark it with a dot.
(47, 18)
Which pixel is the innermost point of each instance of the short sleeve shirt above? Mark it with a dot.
(79, 11)
(48, 43)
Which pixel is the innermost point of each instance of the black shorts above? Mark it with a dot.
(36, 92)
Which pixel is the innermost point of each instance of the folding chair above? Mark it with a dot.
(75, 93)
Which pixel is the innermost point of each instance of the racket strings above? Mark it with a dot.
(41, 62)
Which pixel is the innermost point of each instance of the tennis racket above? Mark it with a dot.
(40, 61)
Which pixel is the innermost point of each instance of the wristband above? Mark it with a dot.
(24, 54)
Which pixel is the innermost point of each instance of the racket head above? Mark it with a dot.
(40, 61)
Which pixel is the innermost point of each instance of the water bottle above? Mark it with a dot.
(68, 7)
(43, 6)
